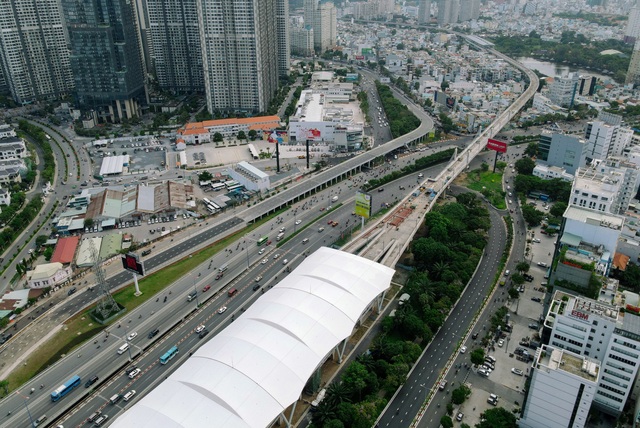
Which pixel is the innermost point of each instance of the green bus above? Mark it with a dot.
(262, 240)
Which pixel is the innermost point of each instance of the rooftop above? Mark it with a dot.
(559, 359)
(596, 218)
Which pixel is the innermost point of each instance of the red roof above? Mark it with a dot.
(65, 250)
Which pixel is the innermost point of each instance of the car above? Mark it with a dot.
(510, 194)
(262, 250)
(500, 343)
(380, 189)
(93, 379)
(206, 288)
(536, 240)
(320, 229)
(521, 289)
(483, 372)
(219, 275)
(542, 264)
(71, 291)
(506, 272)
(153, 333)
(442, 385)
(258, 278)
(282, 229)
(95, 415)
(492, 402)
(527, 277)
(298, 221)
(222, 310)
(30, 251)
(128, 370)
(420, 175)
(534, 326)
(255, 287)
(200, 328)
(335, 223)
(146, 252)
(101, 420)
(268, 242)
(517, 371)
(134, 373)
(510, 202)
(264, 261)
(132, 335)
(459, 416)
(305, 240)
(536, 299)
(463, 349)
(203, 333)
(474, 336)
(285, 261)
(330, 222)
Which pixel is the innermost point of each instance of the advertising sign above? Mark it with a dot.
(131, 263)
(385, 80)
(363, 204)
(360, 57)
(498, 146)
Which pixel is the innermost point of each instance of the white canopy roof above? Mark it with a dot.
(257, 367)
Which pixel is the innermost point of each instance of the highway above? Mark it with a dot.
(104, 360)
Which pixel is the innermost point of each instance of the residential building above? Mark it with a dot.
(175, 48)
(5, 197)
(203, 132)
(551, 172)
(48, 275)
(323, 19)
(301, 41)
(33, 50)
(448, 11)
(632, 30)
(563, 90)
(283, 37)
(597, 189)
(602, 331)
(605, 140)
(424, 11)
(469, 9)
(630, 179)
(587, 85)
(564, 151)
(239, 53)
(633, 71)
(6, 131)
(12, 148)
(105, 57)
(563, 386)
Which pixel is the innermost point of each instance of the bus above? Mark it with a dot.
(65, 388)
(217, 186)
(215, 206)
(234, 187)
(253, 152)
(169, 355)
(262, 240)
(206, 201)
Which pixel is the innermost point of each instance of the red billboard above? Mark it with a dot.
(360, 57)
(496, 145)
(131, 263)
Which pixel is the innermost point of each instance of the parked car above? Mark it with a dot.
(517, 371)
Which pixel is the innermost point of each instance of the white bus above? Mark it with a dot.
(217, 186)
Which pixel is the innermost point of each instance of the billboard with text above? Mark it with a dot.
(363, 204)
(498, 146)
(131, 263)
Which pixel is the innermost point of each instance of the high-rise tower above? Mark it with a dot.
(239, 53)
(424, 11)
(105, 56)
(33, 50)
(322, 18)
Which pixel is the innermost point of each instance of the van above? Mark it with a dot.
(192, 296)
(102, 419)
(115, 398)
(544, 284)
(223, 267)
(40, 420)
(280, 236)
(123, 348)
(305, 240)
(129, 395)
(232, 292)
(334, 199)
(94, 416)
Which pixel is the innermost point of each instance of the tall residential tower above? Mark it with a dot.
(33, 50)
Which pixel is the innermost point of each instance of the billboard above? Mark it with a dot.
(363, 204)
(385, 80)
(360, 57)
(351, 77)
(277, 135)
(132, 263)
(498, 146)
(367, 51)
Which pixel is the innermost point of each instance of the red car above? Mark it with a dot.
(206, 288)
(219, 275)
(330, 222)
(268, 242)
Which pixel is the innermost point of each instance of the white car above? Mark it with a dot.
(517, 371)
(276, 256)
(222, 310)
(265, 261)
(262, 250)
(500, 343)
(320, 229)
(200, 328)
(282, 229)
(463, 349)
(132, 335)
(285, 261)
(134, 373)
(258, 278)
(298, 221)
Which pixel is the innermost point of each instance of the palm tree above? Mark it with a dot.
(337, 393)
(438, 268)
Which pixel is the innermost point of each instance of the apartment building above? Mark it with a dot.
(323, 19)
(605, 140)
(598, 189)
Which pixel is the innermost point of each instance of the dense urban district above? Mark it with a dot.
(324, 214)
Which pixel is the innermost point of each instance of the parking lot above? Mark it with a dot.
(524, 315)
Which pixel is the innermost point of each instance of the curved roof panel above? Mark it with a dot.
(257, 366)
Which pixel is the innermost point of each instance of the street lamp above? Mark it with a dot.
(247, 246)
(27, 407)
(195, 290)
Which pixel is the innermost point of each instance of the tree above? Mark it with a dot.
(532, 149)
(88, 222)
(631, 277)
(4, 384)
(525, 166)
(337, 393)
(498, 417)
(205, 176)
(517, 279)
(41, 240)
(446, 422)
(558, 209)
(523, 267)
(477, 356)
(532, 216)
(242, 135)
(252, 134)
(460, 394)
(513, 293)
(48, 253)
(217, 137)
